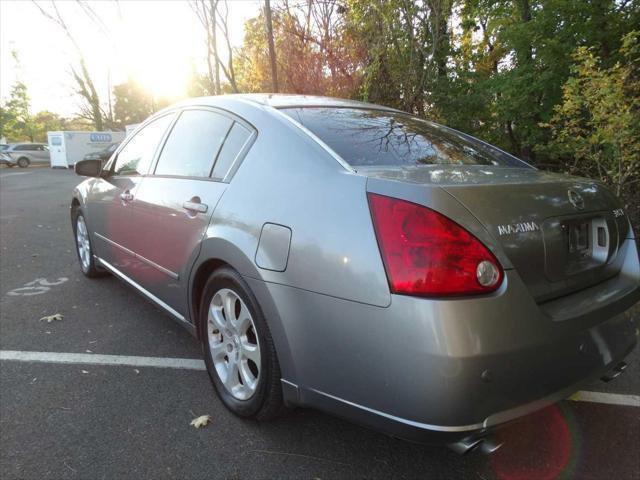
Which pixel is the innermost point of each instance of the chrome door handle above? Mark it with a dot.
(195, 207)
(126, 196)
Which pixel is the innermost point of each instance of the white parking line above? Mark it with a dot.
(13, 174)
(95, 359)
(195, 364)
(608, 398)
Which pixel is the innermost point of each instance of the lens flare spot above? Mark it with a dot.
(537, 447)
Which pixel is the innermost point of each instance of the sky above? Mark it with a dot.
(155, 42)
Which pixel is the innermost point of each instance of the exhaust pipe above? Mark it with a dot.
(485, 445)
(614, 372)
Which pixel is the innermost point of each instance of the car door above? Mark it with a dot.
(35, 153)
(45, 153)
(172, 207)
(41, 154)
(110, 201)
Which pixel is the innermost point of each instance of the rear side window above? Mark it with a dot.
(236, 139)
(137, 155)
(369, 137)
(193, 144)
(24, 148)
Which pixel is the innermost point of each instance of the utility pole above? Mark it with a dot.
(272, 49)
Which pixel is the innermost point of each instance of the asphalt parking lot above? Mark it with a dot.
(82, 420)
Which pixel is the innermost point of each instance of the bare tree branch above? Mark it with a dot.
(85, 86)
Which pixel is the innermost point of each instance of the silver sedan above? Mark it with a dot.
(359, 260)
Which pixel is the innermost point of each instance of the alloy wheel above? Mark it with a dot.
(233, 343)
(82, 241)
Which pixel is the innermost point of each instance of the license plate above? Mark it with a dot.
(578, 237)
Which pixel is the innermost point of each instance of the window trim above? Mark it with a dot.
(237, 161)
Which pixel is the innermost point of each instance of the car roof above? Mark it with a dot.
(280, 100)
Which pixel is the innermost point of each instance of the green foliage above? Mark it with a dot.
(555, 82)
(596, 127)
(406, 46)
(46, 121)
(17, 123)
(132, 104)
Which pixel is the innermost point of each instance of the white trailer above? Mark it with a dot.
(66, 148)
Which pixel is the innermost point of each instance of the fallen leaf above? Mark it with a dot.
(51, 318)
(201, 421)
(137, 371)
(84, 371)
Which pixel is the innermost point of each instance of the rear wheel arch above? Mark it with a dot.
(215, 252)
(218, 252)
(199, 280)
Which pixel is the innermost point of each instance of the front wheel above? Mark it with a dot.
(83, 247)
(239, 352)
(23, 162)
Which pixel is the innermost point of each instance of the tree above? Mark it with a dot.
(272, 48)
(17, 123)
(596, 128)
(407, 45)
(214, 15)
(91, 109)
(132, 104)
(45, 121)
(512, 58)
(315, 52)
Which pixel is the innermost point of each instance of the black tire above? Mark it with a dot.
(88, 269)
(23, 162)
(266, 403)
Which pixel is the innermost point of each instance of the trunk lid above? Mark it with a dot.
(561, 233)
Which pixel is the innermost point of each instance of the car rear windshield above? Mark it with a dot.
(369, 137)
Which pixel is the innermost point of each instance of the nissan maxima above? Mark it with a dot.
(365, 262)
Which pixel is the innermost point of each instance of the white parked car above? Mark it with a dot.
(24, 154)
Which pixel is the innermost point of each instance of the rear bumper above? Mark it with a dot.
(436, 371)
(407, 429)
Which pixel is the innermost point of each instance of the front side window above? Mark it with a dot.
(369, 137)
(137, 155)
(193, 144)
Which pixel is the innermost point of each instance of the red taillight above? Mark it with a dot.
(425, 253)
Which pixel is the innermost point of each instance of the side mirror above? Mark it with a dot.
(88, 168)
